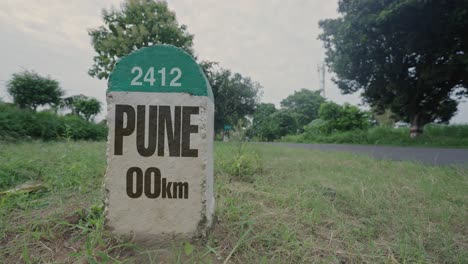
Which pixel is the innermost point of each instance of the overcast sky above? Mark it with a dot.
(274, 42)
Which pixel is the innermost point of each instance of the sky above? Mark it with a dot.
(274, 42)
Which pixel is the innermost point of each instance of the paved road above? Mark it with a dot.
(433, 156)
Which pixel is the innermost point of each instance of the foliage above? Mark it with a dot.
(18, 124)
(81, 105)
(297, 110)
(245, 163)
(284, 122)
(341, 118)
(434, 136)
(263, 126)
(235, 96)
(385, 118)
(30, 90)
(305, 103)
(317, 127)
(138, 24)
(408, 56)
(270, 124)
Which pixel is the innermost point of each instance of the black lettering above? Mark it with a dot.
(180, 188)
(149, 191)
(130, 181)
(166, 189)
(152, 132)
(152, 184)
(187, 129)
(173, 134)
(120, 130)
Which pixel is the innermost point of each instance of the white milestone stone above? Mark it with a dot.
(159, 220)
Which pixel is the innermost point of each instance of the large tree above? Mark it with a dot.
(408, 56)
(236, 96)
(138, 24)
(305, 103)
(30, 90)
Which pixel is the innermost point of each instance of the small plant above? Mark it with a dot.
(242, 162)
(67, 135)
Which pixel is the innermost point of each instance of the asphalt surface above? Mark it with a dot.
(432, 156)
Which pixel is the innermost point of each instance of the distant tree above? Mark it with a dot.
(330, 111)
(138, 24)
(284, 123)
(263, 126)
(81, 105)
(235, 96)
(275, 125)
(409, 56)
(342, 118)
(305, 103)
(30, 90)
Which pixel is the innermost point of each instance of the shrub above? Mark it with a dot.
(16, 124)
(342, 118)
(434, 135)
(82, 129)
(317, 127)
(241, 162)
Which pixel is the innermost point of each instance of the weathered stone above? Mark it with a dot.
(159, 179)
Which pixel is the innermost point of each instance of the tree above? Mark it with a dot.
(305, 103)
(138, 24)
(270, 124)
(30, 90)
(235, 96)
(341, 118)
(263, 126)
(81, 105)
(408, 56)
(285, 123)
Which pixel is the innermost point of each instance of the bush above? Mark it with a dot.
(342, 118)
(434, 135)
(317, 127)
(78, 128)
(16, 124)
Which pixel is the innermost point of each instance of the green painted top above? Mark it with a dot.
(159, 69)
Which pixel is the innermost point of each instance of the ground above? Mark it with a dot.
(274, 205)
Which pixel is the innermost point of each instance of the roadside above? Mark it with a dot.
(453, 136)
(427, 155)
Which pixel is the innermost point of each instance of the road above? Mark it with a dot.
(432, 156)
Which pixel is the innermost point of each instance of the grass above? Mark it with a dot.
(433, 136)
(303, 206)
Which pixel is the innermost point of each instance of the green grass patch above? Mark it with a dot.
(303, 206)
(434, 136)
